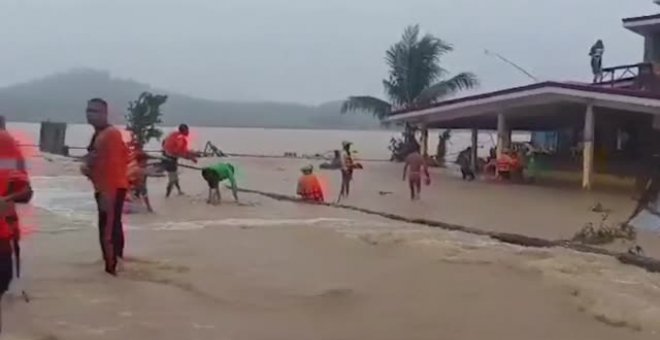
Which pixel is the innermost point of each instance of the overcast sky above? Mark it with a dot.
(307, 51)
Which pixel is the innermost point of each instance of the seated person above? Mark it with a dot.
(215, 174)
(309, 187)
(508, 165)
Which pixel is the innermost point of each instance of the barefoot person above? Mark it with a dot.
(137, 181)
(175, 146)
(13, 188)
(347, 167)
(106, 165)
(416, 163)
(215, 174)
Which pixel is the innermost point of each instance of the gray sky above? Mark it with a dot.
(307, 51)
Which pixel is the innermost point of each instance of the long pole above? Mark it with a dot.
(516, 66)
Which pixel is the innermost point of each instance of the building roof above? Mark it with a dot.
(549, 98)
(643, 24)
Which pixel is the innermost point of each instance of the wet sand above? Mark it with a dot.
(279, 270)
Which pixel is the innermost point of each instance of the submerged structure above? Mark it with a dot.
(610, 126)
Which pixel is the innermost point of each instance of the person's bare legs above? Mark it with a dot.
(411, 185)
(418, 185)
(173, 182)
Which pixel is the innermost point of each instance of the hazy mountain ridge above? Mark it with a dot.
(61, 97)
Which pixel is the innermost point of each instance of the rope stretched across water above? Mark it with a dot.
(650, 264)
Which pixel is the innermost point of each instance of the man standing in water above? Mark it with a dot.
(106, 165)
(12, 171)
(175, 146)
(415, 161)
(347, 166)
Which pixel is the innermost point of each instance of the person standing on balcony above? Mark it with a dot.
(596, 54)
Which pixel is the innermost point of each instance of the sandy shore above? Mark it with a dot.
(279, 270)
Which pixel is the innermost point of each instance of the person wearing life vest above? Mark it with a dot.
(309, 187)
(14, 188)
(508, 165)
(175, 146)
(137, 180)
(106, 165)
(215, 174)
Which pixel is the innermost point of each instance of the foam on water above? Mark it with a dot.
(64, 196)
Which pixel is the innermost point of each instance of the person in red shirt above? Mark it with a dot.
(175, 146)
(14, 187)
(106, 165)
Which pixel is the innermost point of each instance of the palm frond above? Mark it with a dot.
(378, 107)
(448, 87)
(414, 65)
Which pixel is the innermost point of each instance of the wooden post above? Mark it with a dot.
(588, 147)
(425, 141)
(475, 146)
(502, 135)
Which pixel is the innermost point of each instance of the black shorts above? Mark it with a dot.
(212, 178)
(347, 175)
(12, 218)
(6, 265)
(170, 164)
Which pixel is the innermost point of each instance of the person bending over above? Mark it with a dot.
(215, 174)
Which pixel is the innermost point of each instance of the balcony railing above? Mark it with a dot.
(615, 76)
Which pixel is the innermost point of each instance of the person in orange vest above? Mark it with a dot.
(106, 165)
(137, 180)
(175, 146)
(14, 187)
(309, 187)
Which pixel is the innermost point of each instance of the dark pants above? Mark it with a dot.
(467, 174)
(111, 237)
(6, 265)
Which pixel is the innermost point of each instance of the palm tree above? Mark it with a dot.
(415, 77)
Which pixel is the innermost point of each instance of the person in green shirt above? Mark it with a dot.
(215, 174)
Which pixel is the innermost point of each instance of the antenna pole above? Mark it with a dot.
(516, 66)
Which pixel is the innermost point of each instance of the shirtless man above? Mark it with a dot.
(415, 161)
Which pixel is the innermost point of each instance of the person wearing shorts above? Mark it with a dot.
(347, 167)
(175, 146)
(215, 174)
(106, 165)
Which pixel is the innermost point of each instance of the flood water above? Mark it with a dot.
(370, 144)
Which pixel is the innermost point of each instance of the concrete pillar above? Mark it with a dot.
(588, 147)
(52, 137)
(503, 141)
(475, 147)
(425, 141)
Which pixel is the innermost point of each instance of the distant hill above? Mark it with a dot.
(61, 97)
